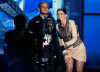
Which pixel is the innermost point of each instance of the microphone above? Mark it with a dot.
(58, 21)
(62, 48)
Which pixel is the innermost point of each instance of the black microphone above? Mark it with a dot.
(58, 21)
(62, 47)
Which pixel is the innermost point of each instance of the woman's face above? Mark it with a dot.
(61, 15)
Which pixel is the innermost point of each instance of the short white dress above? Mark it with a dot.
(74, 47)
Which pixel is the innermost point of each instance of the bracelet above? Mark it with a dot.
(66, 45)
(65, 54)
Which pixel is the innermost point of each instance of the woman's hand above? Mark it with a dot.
(61, 43)
(67, 59)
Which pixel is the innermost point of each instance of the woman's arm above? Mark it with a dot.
(73, 28)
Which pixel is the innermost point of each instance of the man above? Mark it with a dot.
(42, 39)
(18, 53)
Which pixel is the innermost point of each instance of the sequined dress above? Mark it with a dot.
(75, 47)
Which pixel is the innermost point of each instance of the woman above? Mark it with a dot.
(70, 42)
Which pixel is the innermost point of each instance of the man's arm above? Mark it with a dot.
(30, 26)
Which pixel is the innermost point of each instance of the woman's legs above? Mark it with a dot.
(79, 66)
(69, 64)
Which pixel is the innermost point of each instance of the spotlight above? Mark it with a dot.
(11, 8)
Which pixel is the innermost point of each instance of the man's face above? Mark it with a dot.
(43, 8)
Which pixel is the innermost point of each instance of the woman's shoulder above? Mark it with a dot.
(71, 22)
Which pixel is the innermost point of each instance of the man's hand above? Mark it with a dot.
(43, 45)
(30, 32)
(55, 56)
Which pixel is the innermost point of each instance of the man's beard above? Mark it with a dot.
(43, 13)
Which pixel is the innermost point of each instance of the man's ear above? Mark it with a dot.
(39, 9)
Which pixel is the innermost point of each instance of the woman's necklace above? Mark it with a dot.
(63, 23)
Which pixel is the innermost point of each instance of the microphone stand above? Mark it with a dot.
(60, 60)
(61, 48)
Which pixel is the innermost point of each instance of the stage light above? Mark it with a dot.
(10, 8)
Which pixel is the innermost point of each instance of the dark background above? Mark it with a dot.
(86, 14)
